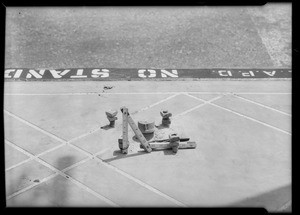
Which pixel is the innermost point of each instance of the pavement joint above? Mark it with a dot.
(259, 104)
(132, 93)
(156, 103)
(56, 172)
(242, 115)
(143, 184)
(38, 155)
(284, 206)
(198, 106)
(35, 127)
(94, 156)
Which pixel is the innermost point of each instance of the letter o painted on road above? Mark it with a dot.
(141, 73)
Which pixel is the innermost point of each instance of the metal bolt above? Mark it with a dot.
(112, 117)
(174, 142)
(123, 150)
(166, 121)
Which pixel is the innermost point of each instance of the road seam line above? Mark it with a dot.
(262, 105)
(156, 103)
(130, 93)
(91, 156)
(56, 171)
(35, 126)
(247, 117)
(285, 206)
(198, 106)
(133, 113)
(143, 184)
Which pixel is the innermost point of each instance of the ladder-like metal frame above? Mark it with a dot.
(125, 143)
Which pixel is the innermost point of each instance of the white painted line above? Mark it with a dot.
(275, 93)
(18, 164)
(133, 113)
(131, 93)
(90, 156)
(85, 134)
(126, 174)
(262, 105)
(285, 206)
(56, 171)
(34, 126)
(244, 116)
(75, 165)
(31, 186)
(50, 150)
(252, 119)
(38, 155)
(102, 151)
(143, 184)
(198, 106)
(156, 103)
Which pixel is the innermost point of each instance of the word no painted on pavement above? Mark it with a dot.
(141, 74)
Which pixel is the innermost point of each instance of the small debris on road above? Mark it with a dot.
(108, 87)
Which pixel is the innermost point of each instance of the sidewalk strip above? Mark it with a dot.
(130, 93)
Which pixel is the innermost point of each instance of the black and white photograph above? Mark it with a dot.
(148, 106)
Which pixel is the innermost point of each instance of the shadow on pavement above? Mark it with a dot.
(50, 193)
(106, 127)
(272, 200)
(59, 192)
(118, 155)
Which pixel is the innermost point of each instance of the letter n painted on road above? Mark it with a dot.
(165, 73)
(32, 72)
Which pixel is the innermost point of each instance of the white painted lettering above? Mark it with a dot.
(224, 73)
(173, 74)
(79, 74)
(247, 74)
(141, 73)
(35, 74)
(6, 73)
(18, 73)
(270, 73)
(96, 73)
(58, 74)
